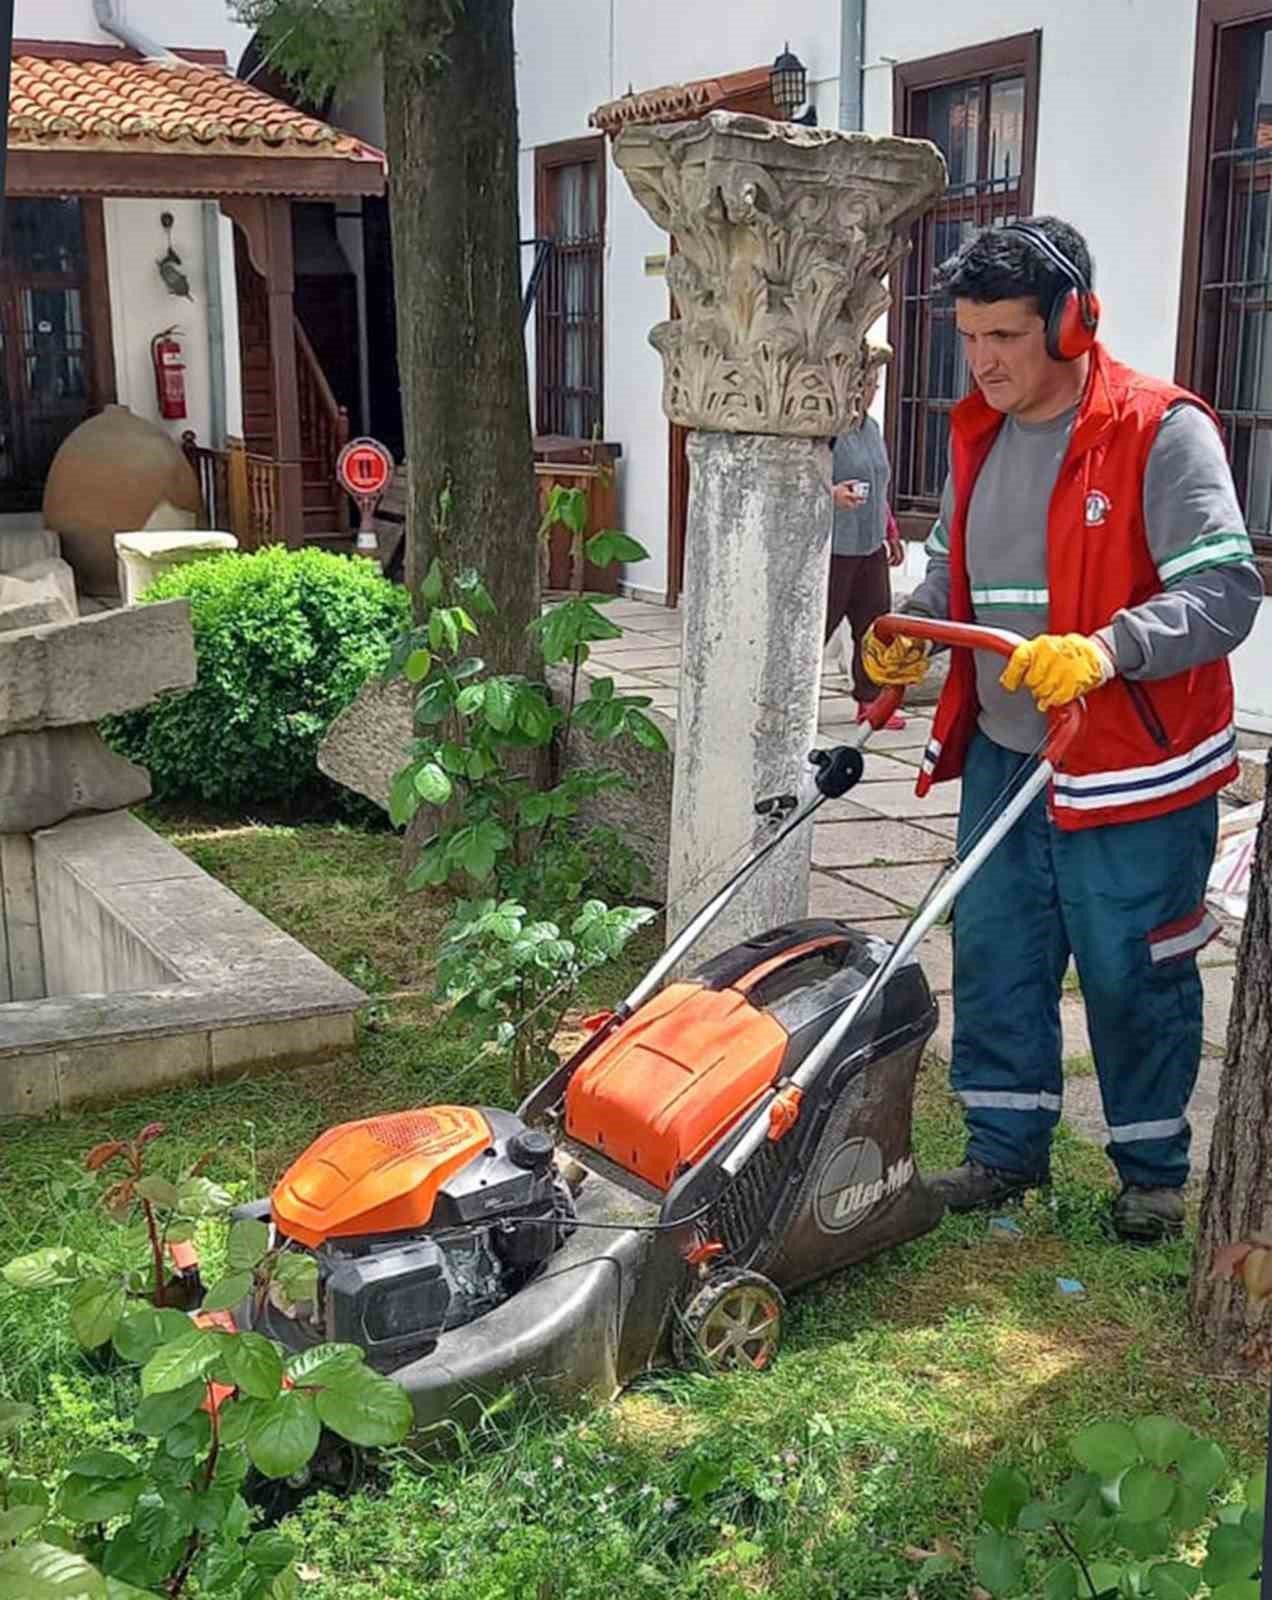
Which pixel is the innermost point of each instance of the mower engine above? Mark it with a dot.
(411, 1220)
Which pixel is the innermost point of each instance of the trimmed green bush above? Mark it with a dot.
(284, 641)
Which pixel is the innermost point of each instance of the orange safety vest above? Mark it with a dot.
(1147, 747)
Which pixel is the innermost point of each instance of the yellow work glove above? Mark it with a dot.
(1058, 667)
(904, 661)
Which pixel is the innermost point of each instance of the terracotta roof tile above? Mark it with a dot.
(681, 102)
(169, 105)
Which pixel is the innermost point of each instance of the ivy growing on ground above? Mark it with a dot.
(513, 956)
(168, 1515)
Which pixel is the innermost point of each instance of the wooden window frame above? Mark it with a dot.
(1214, 18)
(1018, 55)
(548, 158)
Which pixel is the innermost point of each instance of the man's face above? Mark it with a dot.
(1006, 348)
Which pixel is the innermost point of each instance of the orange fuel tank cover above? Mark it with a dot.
(674, 1079)
(377, 1176)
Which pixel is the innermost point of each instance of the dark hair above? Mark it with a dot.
(1000, 265)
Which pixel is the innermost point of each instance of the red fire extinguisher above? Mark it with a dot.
(169, 363)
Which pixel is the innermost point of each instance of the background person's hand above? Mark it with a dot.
(849, 495)
(901, 663)
(896, 551)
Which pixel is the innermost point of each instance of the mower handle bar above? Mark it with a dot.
(1067, 721)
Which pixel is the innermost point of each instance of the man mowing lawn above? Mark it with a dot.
(1090, 509)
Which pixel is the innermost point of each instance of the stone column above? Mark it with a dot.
(783, 235)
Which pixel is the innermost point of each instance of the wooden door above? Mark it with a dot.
(52, 298)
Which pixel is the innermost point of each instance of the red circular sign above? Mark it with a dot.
(364, 468)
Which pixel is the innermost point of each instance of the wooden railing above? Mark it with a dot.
(239, 489)
(324, 422)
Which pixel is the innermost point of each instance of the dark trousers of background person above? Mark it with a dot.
(860, 590)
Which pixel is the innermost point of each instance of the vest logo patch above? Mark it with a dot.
(1096, 508)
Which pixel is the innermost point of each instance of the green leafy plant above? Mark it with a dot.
(166, 1514)
(284, 640)
(1117, 1525)
(515, 977)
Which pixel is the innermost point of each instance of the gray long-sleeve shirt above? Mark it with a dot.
(1196, 533)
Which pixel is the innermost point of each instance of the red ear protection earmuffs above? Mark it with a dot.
(1075, 312)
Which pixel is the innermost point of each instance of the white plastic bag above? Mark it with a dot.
(1228, 887)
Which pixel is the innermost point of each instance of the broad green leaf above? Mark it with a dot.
(141, 1332)
(1189, 1508)
(248, 1242)
(174, 1365)
(284, 1435)
(297, 1276)
(27, 1492)
(1202, 1465)
(159, 1191)
(609, 546)
(102, 1464)
(499, 704)
(159, 1524)
(999, 1563)
(432, 586)
(1106, 1449)
(200, 1197)
(117, 1589)
(645, 731)
(1036, 1516)
(238, 1417)
(219, 1568)
(97, 1499)
(403, 798)
(1256, 1489)
(44, 1572)
(367, 1409)
(12, 1415)
(1252, 1526)
(18, 1520)
(1237, 1589)
(1080, 1489)
(1061, 1583)
(130, 1559)
(535, 717)
(1162, 1439)
(189, 1438)
(1144, 1539)
(1173, 1580)
(323, 1364)
(159, 1412)
(432, 785)
(270, 1551)
(226, 1294)
(470, 699)
(1230, 1555)
(96, 1307)
(1105, 1576)
(535, 810)
(1005, 1494)
(50, 1268)
(1146, 1494)
(417, 666)
(254, 1365)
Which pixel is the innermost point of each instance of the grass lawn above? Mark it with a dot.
(900, 1382)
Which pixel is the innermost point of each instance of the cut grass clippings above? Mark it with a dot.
(900, 1382)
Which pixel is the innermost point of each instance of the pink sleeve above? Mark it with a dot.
(892, 531)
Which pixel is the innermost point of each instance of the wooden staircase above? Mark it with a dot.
(324, 423)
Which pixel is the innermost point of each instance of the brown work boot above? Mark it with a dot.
(976, 1187)
(1148, 1216)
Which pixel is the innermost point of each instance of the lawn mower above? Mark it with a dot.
(714, 1143)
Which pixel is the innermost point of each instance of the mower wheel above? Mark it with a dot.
(733, 1321)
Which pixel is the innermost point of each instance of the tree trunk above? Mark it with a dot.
(451, 117)
(451, 114)
(1237, 1201)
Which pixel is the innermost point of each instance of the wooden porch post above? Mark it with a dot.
(280, 283)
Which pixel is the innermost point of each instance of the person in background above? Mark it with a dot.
(865, 541)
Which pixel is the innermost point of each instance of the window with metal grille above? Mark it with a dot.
(1225, 345)
(569, 324)
(979, 107)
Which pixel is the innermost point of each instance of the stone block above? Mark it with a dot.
(1251, 781)
(60, 772)
(874, 841)
(22, 547)
(21, 948)
(370, 740)
(37, 595)
(143, 557)
(28, 1085)
(899, 800)
(832, 896)
(91, 1074)
(905, 884)
(261, 1046)
(77, 672)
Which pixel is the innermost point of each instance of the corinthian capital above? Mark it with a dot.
(784, 235)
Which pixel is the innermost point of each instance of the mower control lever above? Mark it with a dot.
(838, 770)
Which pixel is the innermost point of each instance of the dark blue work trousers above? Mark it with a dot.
(1126, 902)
